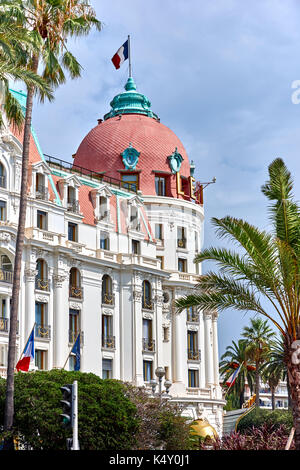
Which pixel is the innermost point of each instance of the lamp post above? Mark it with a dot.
(160, 372)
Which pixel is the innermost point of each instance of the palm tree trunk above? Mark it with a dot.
(9, 398)
(273, 397)
(242, 397)
(257, 384)
(293, 370)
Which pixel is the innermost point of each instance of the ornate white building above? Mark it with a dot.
(110, 243)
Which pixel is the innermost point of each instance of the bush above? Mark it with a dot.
(106, 417)
(258, 417)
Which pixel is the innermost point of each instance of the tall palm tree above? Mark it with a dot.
(15, 45)
(258, 338)
(235, 356)
(52, 21)
(267, 267)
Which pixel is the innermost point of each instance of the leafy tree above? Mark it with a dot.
(107, 418)
(234, 356)
(52, 22)
(258, 339)
(268, 267)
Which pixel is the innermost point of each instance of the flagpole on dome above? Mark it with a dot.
(129, 57)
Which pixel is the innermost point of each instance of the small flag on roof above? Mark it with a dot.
(28, 354)
(232, 378)
(121, 55)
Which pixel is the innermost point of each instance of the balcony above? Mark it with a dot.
(4, 325)
(41, 193)
(181, 243)
(76, 292)
(108, 342)
(73, 206)
(108, 299)
(194, 354)
(147, 304)
(6, 276)
(148, 345)
(42, 331)
(42, 284)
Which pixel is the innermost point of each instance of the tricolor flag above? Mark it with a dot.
(232, 378)
(28, 354)
(76, 352)
(121, 55)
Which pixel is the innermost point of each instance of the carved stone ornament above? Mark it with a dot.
(75, 306)
(108, 311)
(30, 274)
(175, 161)
(130, 157)
(147, 315)
(41, 298)
(58, 279)
(137, 295)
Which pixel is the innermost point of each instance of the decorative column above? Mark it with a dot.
(60, 323)
(209, 367)
(179, 345)
(30, 274)
(215, 347)
(138, 337)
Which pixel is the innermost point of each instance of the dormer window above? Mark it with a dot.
(130, 181)
(160, 185)
(134, 218)
(72, 202)
(103, 208)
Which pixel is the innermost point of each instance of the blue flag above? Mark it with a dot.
(76, 351)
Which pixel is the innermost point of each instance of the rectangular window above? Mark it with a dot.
(72, 232)
(74, 324)
(104, 241)
(106, 368)
(42, 220)
(103, 207)
(182, 265)
(40, 359)
(160, 185)
(2, 210)
(193, 379)
(147, 369)
(161, 259)
(130, 181)
(135, 247)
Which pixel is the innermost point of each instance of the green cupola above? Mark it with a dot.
(130, 102)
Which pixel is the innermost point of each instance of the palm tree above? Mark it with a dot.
(234, 356)
(15, 44)
(267, 267)
(52, 22)
(258, 337)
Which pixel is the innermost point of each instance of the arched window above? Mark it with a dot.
(107, 294)
(41, 278)
(147, 296)
(2, 176)
(75, 289)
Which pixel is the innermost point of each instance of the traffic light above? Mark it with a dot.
(67, 405)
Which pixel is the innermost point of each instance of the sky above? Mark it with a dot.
(219, 74)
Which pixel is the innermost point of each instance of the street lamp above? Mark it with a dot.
(160, 372)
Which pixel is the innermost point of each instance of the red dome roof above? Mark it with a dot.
(101, 149)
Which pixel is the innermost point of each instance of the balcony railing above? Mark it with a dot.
(181, 243)
(147, 304)
(73, 206)
(108, 299)
(41, 193)
(108, 342)
(76, 292)
(148, 345)
(42, 331)
(194, 354)
(73, 336)
(192, 317)
(2, 182)
(6, 276)
(4, 325)
(42, 284)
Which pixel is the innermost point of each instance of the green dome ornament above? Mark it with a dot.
(130, 102)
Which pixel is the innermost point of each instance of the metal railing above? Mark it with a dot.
(42, 284)
(4, 325)
(147, 304)
(192, 317)
(73, 336)
(181, 243)
(42, 331)
(41, 192)
(76, 292)
(194, 354)
(108, 299)
(93, 175)
(108, 342)
(73, 206)
(6, 276)
(148, 345)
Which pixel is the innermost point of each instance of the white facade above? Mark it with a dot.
(128, 322)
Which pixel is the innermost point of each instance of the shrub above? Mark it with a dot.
(259, 417)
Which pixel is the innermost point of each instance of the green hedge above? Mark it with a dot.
(259, 416)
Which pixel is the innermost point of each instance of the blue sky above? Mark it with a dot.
(218, 73)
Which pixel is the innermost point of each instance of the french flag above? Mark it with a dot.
(121, 55)
(28, 354)
(232, 378)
